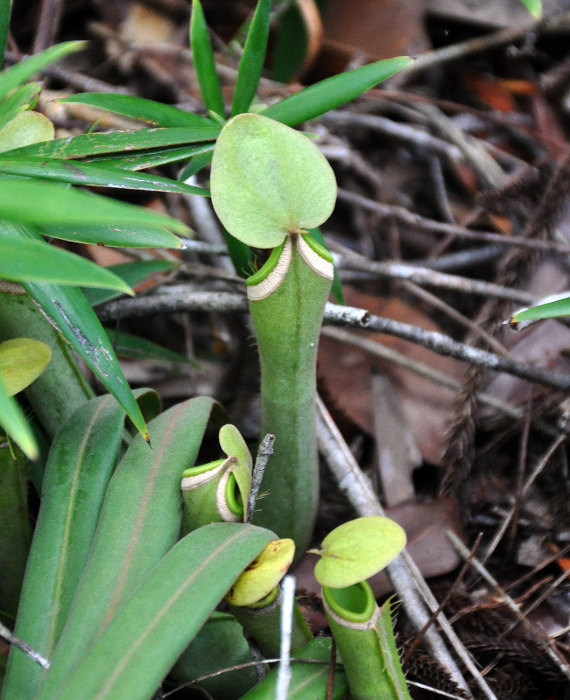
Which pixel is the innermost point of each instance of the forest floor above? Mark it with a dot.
(452, 212)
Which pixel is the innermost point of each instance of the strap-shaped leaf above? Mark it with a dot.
(333, 92)
(24, 260)
(139, 523)
(50, 203)
(98, 144)
(164, 614)
(252, 58)
(140, 108)
(126, 236)
(204, 62)
(92, 174)
(152, 158)
(80, 463)
(70, 312)
(11, 77)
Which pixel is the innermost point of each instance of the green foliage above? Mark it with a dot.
(534, 7)
(112, 594)
(551, 307)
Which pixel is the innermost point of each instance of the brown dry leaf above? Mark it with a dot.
(344, 372)
(425, 525)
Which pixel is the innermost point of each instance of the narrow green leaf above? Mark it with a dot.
(534, 7)
(139, 523)
(47, 203)
(150, 632)
(140, 108)
(253, 56)
(24, 260)
(22, 360)
(57, 393)
(92, 174)
(133, 347)
(80, 464)
(549, 308)
(98, 144)
(4, 26)
(74, 317)
(113, 235)
(18, 100)
(240, 255)
(11, 77)
(333, 92)
(14, 423)
(197, 162)
(132, 273)
(70, 312)
(204, 62)
(152, 158)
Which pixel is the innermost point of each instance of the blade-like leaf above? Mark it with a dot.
(11, 77)
(549, 308)
(253, 56)
(534, 7)
(98, 144)
(14, 423)
(124, 236)
(74, 317)
(146, 637)
(154, 157)
(80, 463)
(92, 174)
(140, 108)
(70, 312)
(333, 92)
(204, 62)
(24, 260)
(196, 164)
(47, 203)
(139, 523)
(132, 273)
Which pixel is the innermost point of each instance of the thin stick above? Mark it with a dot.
(337, 315)
(264, 452)
(23, 646)
(284, 672)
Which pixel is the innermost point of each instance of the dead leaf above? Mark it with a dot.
(344, 373)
